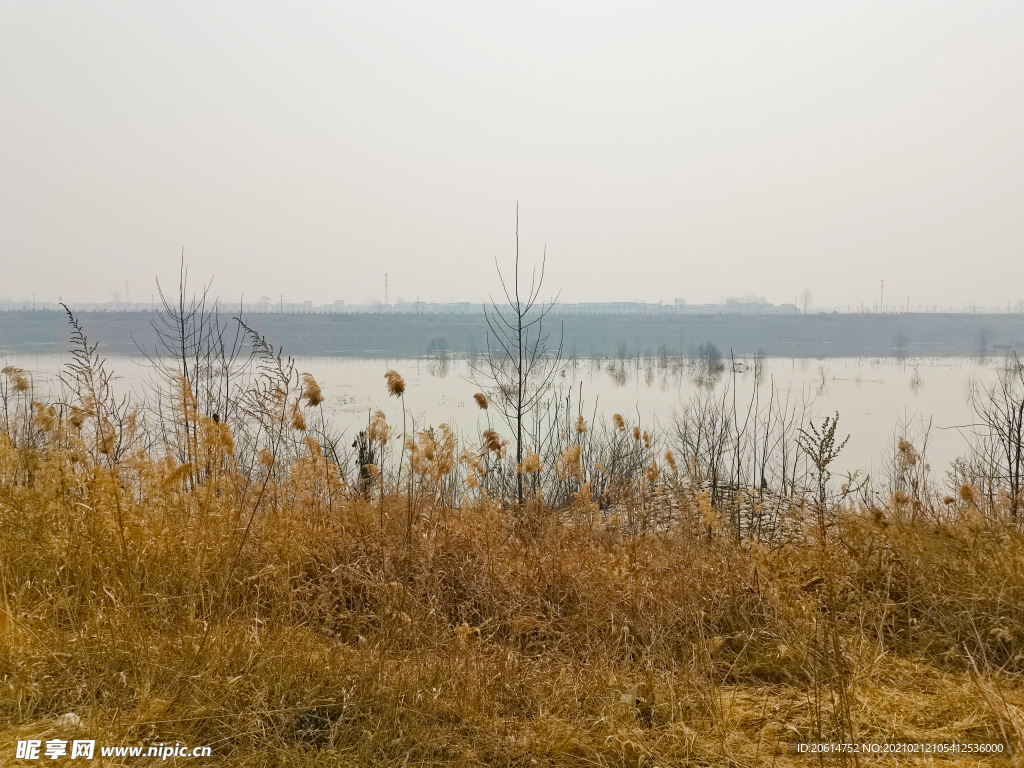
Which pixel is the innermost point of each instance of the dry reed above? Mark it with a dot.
(286, 618)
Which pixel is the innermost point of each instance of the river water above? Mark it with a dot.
(879, 399)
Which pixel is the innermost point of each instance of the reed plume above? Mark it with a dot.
(432, 453)
(315, 449)
(481, 400)
(475, 469)
(396, 384)
(298, 419)
(46, 416)
(531, 463)
(568, 465)
(379, 431)
(396, 387)
(219, 436)
(18, 376)
(670, 459)
(76, 418)
(266, 458)
(311, 390)
(966, 492)
(493, 443)
(906, 454)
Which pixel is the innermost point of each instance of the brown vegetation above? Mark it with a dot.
(172, 575)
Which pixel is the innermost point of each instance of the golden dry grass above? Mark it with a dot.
(285, 620)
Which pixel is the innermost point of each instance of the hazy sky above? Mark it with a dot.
(697, 150)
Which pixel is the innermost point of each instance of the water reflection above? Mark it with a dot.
(823, 379)
(654, 387)
(916, 381)
(618, 374)
(440, 357)
(760, 366)
(440, 368)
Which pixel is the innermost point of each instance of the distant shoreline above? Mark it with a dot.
(391, 335)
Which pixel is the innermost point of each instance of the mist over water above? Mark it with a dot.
(879, 400)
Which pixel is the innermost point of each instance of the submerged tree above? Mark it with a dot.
(521, 361)
(999, 431)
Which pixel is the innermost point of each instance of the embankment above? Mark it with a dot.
(815, 335)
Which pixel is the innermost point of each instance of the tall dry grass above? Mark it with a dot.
(260, 599)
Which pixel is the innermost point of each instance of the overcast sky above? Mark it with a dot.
(694, 150)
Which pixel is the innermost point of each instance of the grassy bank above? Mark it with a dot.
(170, 575)
(326, 638)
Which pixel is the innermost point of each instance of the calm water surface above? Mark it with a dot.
(874, 397)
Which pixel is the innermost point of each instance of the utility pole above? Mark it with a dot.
(282, 304)
(385, 287)
(127, 296)
(881, 298)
